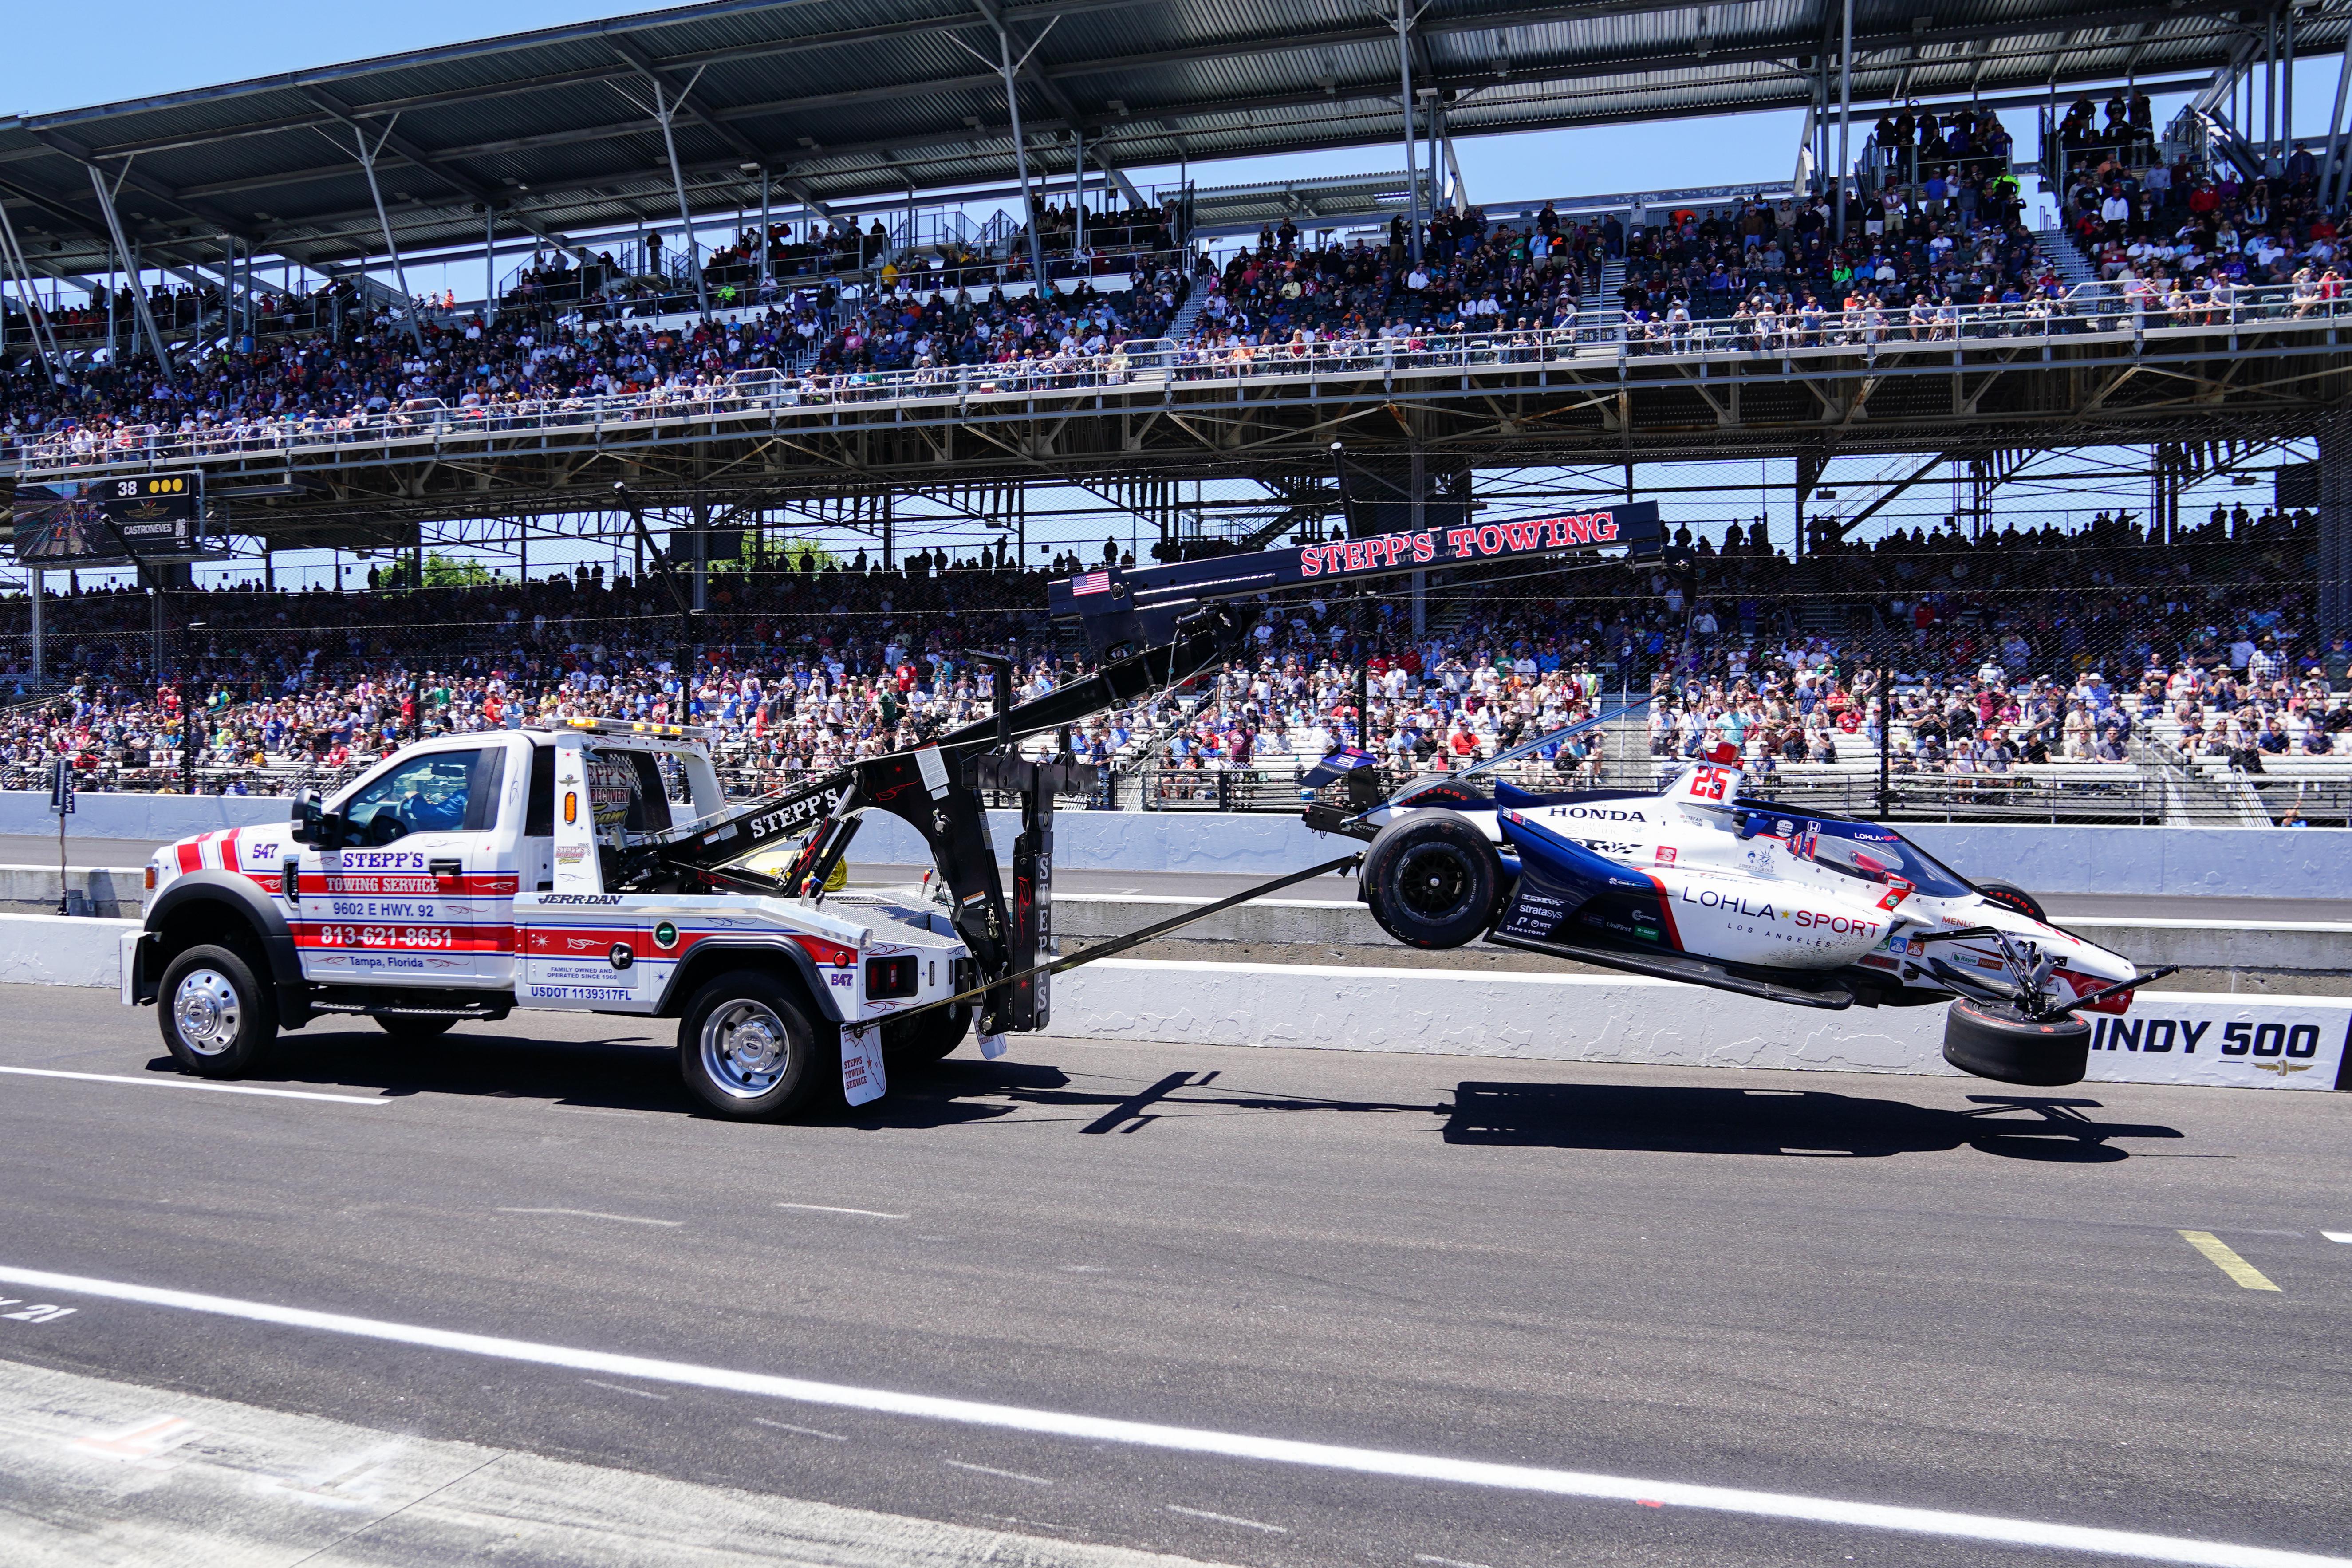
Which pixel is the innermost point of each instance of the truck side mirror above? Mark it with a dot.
(314, 825)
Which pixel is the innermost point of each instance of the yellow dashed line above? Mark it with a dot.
(2218, 1252)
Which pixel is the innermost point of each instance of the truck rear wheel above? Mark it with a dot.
(218, 1019)
(925, 1037)
(1995, 1041)
(747, 1049)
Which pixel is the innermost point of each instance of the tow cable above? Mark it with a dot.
(1119, 944)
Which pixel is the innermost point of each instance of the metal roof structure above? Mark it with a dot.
(845, 102)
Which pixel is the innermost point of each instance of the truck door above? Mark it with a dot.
(421, 894)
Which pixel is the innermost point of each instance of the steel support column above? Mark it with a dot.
(384, 220)
(666, 110)
(122, 248)
(2335, 526)
(1845, 116)
(2331, 187)
(40, 640)
(1405, 103)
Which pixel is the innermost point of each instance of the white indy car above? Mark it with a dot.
(1698, 883)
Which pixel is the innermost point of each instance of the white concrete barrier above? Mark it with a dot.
(150, 818)
(2219, 862)
(2307, 945)
(2179, 1036)
(50, 950)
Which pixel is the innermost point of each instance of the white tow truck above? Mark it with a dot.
(597, 866)
(467, 876)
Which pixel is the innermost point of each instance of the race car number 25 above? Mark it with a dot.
(1707, 784)
(386, 936)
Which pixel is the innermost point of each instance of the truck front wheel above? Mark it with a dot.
(748, 1051)
(218, 1020)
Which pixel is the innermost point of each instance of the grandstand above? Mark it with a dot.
(793, 327)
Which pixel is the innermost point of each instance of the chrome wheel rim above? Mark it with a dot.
(206, 1012)
(745, 1050)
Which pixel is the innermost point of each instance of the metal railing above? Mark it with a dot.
(2130, 312)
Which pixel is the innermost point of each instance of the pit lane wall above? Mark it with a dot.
(2169, 1038)
(2221, 862)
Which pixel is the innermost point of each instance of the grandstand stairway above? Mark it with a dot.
(1608, 314)
(2065, 256)
(1179, 327)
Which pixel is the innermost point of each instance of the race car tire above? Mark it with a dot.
(748, 1051)
(925, 1038)
(413, 1025)
(1433, 881)
(218, 1019)
(2010, 896)
(1994, 1040)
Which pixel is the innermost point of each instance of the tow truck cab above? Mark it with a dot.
(469, 874)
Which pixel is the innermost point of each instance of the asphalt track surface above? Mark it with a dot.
(1844, 1289)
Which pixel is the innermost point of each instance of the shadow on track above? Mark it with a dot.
(1665, 1120)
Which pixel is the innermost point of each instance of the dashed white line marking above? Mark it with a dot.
(1389, 1462)
(987, 1470)
(804, 1431)
(2337, 1235)
(160, 1080)
(828, 1208)
(595, 1214)
(623, 1388)
(1228, 1519)
(1444, 1562)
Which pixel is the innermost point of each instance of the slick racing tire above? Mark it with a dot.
(919, 1041)
(218, 1019)
(1994, 1040)
(413, 1025)
(749, 1051)
(1433, 880)
(2010, 896)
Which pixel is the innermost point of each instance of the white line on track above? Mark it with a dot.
(1227, 1519)
(2337, 1235)
(828, 1208)
(163, 1081)
(624, 1388)
(1444, 1562)
(595, 1213)
(988, 1470)
(1199, 1440)
(804, 1431)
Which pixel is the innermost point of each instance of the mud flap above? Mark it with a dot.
(862, 1077)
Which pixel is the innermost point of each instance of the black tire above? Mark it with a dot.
(1995, 1041)
(749, 1050)
(219, 1020)
(413, 1025)
(2009, 896)
(925, 1038)
(1433, 880)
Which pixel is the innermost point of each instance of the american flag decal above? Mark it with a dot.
(1090, 583)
